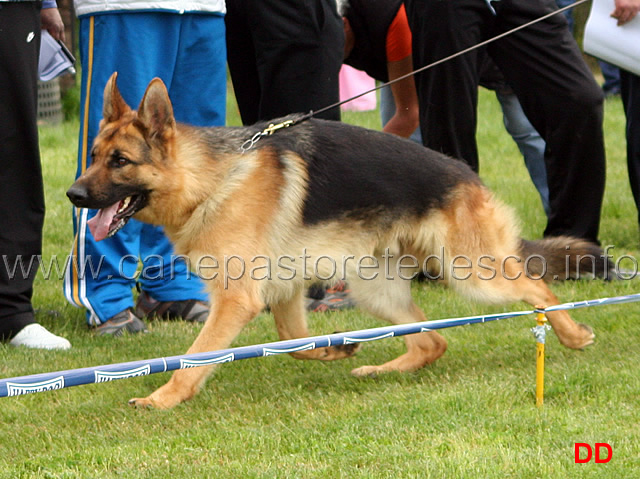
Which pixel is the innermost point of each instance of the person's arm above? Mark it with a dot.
(51, 20)
(625, 10)
(406, 118)
(399, 63)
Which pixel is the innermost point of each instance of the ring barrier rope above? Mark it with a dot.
(75, 377)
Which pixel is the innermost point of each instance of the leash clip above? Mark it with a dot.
(271, 128)
(247, 145)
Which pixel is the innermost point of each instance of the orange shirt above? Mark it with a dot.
(399, 37)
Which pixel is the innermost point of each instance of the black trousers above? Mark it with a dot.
(21, 189)
(284, 56)
(630, 91)
(544, 66)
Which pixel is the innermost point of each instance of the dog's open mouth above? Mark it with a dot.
(108, 221)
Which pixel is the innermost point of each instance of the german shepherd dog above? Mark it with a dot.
(304, 199)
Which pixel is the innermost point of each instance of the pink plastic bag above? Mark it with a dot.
(354, 82)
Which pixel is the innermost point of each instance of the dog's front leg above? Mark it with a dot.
(231, 311)
(291, 321)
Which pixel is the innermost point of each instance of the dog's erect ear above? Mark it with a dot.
(114, 105)
(155, 110)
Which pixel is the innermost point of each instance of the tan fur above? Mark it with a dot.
(250, 204)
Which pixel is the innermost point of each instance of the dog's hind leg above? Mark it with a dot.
(571, 334)
(515, 285)
(391, 301)
(230, 312)
(291, 322)
(481, 232)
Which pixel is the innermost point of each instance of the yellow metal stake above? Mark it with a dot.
(540, 333)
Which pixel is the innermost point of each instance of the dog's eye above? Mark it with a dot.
(120, 162)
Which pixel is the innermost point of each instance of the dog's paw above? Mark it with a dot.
(588, 329)
(366, 371)
(347, 350)
(141, 403)
(583, 337)
(589, 335)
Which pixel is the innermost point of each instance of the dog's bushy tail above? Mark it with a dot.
(564, 257)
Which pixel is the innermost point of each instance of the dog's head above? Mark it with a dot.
(125, 157)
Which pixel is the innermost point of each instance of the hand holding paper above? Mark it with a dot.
(625, 10)
(55, 59)
(52, 22)
(612, 33)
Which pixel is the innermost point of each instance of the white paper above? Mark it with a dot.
(604, 39)
(52, 61)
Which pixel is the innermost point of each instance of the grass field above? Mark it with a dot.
(472, 414)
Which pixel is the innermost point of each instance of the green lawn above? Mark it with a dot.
(472, 414)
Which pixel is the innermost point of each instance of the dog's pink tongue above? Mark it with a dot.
(100, 223)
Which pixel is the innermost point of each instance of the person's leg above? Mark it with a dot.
(559, 95)
(568, 14)
(630, 93)
(164, 275)
(448, 93)
(241, 58)
(21, 193)
(139, 47)
(197, 90)
(387, 105)
(198, 85)
(299, 45)
(611, 74)
(529, 142)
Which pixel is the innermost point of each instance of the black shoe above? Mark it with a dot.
(123, 322)
(190, 310)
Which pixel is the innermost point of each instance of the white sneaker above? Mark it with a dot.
(36, 336)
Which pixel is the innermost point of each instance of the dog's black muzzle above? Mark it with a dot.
(79, 196)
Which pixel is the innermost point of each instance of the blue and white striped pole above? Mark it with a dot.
(76, 377)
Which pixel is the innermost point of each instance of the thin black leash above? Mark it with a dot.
(247, 145)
